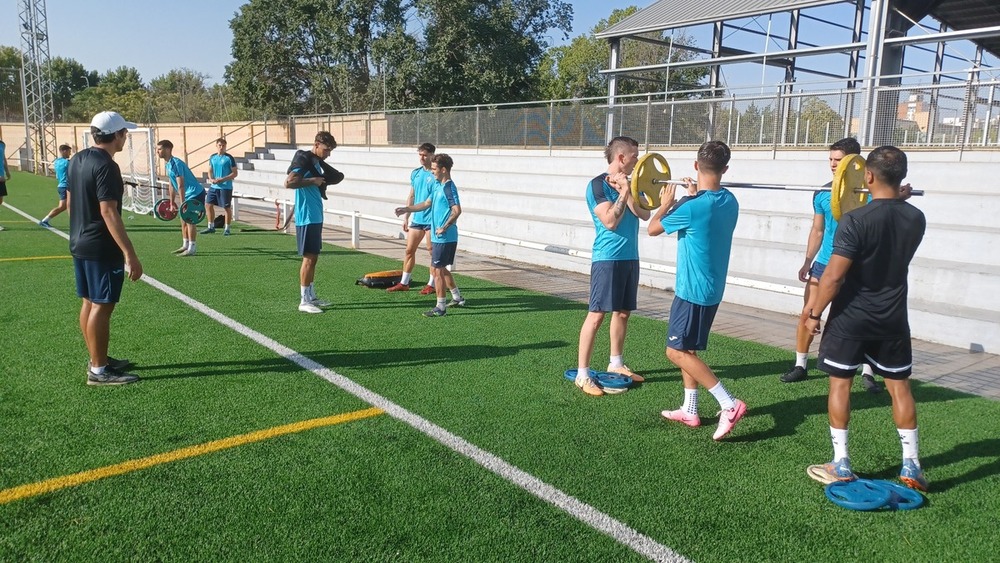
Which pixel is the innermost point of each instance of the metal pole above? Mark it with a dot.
(989, 114)
(649, 106)
(27, 126)
(612, 92)
(552, 110)
(732, 109)
(477, 127)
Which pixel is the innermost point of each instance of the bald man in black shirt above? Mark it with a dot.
(865, 282)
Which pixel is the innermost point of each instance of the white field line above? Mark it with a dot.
(580, 510)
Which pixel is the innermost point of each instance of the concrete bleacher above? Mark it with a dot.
(536, 196)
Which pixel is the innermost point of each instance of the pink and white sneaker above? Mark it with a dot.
(680, 415)
(728, 419)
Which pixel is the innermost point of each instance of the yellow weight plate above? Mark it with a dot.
(648, 177)
(847, 180)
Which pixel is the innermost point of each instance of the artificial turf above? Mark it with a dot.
(377, 489)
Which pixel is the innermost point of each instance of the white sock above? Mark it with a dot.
(441, 303)
(97, 371)
(910, 442)
(616, 361)
(185, 243)
(802, 359)
(726, 400)
(430, 282)
(690, 405)
(47, 217)
(406, 278)
(304, 290)
(456, 294)
(839, 438)
(191, 246)
(866, 370)
(311, 290)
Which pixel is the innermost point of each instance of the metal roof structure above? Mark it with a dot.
(874, 40)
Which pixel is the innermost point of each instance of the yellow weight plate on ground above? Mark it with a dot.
(847, 180)
(648, 177)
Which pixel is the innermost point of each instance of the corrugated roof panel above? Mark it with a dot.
(670, 14)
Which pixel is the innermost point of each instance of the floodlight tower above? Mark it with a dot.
(40, 113)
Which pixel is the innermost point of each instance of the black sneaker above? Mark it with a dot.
(870, 385)
(111, 376)
(797, 373)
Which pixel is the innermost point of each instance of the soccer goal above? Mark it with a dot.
(138, 164)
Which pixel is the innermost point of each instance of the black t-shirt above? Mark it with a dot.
(880, 239)
(93, 177)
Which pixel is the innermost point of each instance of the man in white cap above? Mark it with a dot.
(102, 252)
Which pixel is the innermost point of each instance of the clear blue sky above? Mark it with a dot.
(156, 37)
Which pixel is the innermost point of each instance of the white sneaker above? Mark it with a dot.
(188, 252)
(319, 302)
(309, 307)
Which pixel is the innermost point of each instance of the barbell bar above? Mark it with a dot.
(847, 191)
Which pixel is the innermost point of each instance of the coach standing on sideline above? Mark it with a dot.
(102, 252)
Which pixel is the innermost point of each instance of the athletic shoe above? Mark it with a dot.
(832, 472)
(588, 386)
(435, 312)
(427, 290)
(320, 302)
(44, 223)
(913, 476)
(728, 419)
(680, 415)
(460, 302)
(1, 227)
(226, 232)
(207, 230)
(188, 252)
(623, 370)
(120, 365)
(181, 249)
(309, 307)
(399, 287)
(870, 385)
(797, 373)
(111, 376)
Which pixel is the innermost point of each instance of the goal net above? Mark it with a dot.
(138, 165)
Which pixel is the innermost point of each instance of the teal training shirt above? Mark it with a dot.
(177, 169)
(620, 243)
(704, 224)
(443, 197)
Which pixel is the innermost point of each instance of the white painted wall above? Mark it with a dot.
(537, 196)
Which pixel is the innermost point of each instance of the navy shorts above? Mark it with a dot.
(3, 187)
(222, 198)
(613, 285)
(689, 325)
(200, 197)
(841, 357)
(420, 226)
(99, 281)
(817, 270)
(443, 253)
(309, 238)
(62, 193)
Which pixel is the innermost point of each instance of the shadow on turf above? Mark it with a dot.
(788, 415)
(368, 359)
(987, 450)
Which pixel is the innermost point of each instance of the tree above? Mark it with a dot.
(573, 71)
(68, 78)
(291, 56)
(180, 96)
(121, 90)
(485, 51)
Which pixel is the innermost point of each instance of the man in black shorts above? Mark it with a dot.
(866, 282)
(102, 252)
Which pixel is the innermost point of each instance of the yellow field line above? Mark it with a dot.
(49, 485)
(33, 258)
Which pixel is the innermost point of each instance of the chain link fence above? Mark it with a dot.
(963, 116)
